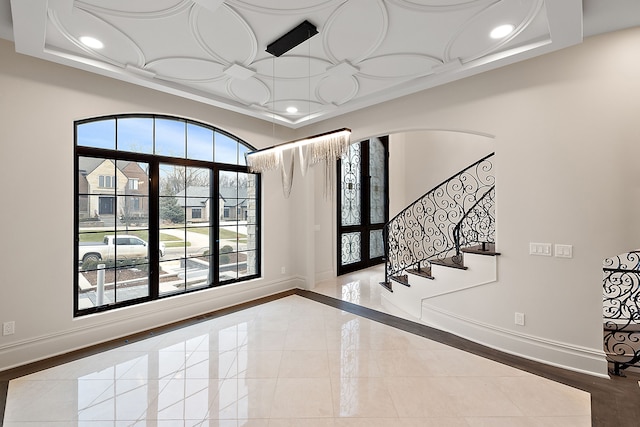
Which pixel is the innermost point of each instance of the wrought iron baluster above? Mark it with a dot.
(434, 226)
(621, 310)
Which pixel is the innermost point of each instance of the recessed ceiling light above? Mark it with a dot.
(91, 42)
(292, 110)
(502, 31)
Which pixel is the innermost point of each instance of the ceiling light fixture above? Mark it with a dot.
(502, 31)
(322, 148)
(293, 38)
(91, 42)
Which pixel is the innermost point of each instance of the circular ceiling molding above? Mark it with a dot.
(473, 41)
(398, 66)
(337, 89)
(186, 69)
(120, 50)
(284, 7)
(250, 91)
(440, 5)
(364, 23)
(225, 35)
(135, 9)
(290, 67)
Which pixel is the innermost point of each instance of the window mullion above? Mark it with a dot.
(154, 229)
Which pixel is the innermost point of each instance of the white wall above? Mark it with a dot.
(566, 142)
(39, 102)
(433, 156)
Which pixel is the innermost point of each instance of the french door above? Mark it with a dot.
(363, 204)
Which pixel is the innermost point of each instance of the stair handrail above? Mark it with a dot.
(449, 200)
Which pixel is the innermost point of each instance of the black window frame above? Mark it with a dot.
(154, 161)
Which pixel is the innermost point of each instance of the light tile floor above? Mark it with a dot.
(291, 362)
(362, 288)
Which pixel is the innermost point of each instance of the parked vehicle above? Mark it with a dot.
(125, 247)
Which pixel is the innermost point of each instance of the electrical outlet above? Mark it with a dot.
(519, 319)
(9, 328)
(283, 270)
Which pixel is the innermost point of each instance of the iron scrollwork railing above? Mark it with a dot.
(621, 310)
(478, 225)
(432, 226)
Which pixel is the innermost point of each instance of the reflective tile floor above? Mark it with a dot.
(362, 288)
(290, 362)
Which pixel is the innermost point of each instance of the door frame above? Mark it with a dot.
(365, 226)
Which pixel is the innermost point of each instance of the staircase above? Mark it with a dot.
(621, 311)
(454, 218)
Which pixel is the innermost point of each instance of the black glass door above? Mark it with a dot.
(363, 206)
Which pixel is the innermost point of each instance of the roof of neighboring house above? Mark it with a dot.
(234, 196)
(89, 164)
(196, 196)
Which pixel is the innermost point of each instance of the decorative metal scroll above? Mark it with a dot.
(621, 310)
(426, 229)
(478, 225)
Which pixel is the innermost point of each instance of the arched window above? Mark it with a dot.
(164, 206)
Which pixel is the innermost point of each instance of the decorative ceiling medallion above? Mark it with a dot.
(250, 91)
(337, 89)
(398, 66)
(225, 35)
(186, 69)
(284, 7)
(473, 41)
(441, 5)
(135, 9)
(119, 51)
(363, 22)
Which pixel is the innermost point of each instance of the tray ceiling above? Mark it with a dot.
(366, 52)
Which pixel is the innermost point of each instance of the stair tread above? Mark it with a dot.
(424, 272)
(450, 262)
(481, 249)
(387, 285)
(403, 279)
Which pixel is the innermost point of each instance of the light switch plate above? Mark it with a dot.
(564, 251)
(541, 249)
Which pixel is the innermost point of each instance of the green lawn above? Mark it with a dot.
(178, 244)
(224, 233)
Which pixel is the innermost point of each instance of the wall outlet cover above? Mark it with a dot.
(9, 328)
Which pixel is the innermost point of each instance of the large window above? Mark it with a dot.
(154, 197)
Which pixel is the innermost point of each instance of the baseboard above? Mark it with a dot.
(555, 353)
(111, 325)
